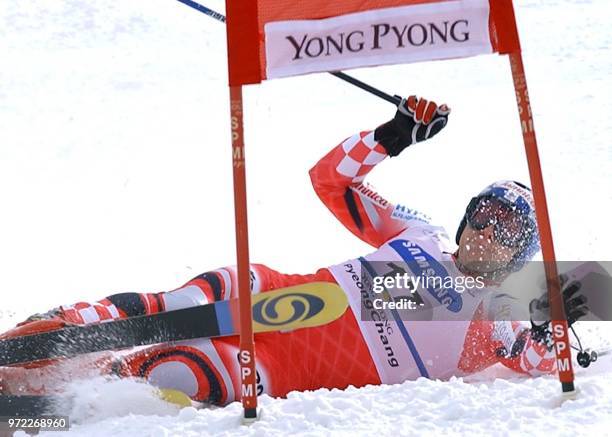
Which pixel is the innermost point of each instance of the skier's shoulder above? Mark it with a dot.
(421, 227)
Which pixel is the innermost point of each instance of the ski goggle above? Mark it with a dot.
(510, 227)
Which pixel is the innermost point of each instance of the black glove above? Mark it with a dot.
(415, 120)
(539, 309)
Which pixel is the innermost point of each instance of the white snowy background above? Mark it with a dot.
(115, 175)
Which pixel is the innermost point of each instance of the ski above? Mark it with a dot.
(296, 307)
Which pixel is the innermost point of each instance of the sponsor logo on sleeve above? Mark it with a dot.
(401, 212)
(370, 193)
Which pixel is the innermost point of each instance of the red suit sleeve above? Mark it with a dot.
(508, 343)
(338, 181)
(534, 359)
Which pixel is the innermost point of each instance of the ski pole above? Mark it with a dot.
(364, 86)
(216, 15)
(396, 100)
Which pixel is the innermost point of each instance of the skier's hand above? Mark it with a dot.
(415, 120)
(575, 304)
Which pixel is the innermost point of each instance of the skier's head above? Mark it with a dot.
(498, 233)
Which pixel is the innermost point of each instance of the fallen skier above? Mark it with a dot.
(465, 331)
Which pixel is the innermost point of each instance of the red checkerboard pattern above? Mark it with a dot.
(337, 179)
(85, 312)
(536, 359)
(362, 153)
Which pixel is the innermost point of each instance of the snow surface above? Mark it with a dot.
(115, 175)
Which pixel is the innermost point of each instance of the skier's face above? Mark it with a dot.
(479, 251)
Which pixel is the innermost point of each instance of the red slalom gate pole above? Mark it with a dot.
(559, 320)
(246, 355)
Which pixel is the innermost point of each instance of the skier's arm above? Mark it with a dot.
(509, 343)
(506, 341)
(516, 345)
(535, 337)
(528, 354)
(525, 347)
(338, 177)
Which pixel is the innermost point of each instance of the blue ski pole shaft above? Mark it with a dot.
(216, 15)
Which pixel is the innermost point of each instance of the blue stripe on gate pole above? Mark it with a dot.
(224, 318)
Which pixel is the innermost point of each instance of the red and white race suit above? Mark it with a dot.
(461, 335)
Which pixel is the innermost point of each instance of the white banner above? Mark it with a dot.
(423, 32)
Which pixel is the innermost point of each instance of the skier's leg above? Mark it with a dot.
(207, 287)
(333, 355)
(202, 361)
(208, 370)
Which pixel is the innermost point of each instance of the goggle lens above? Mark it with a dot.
(510, 228)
